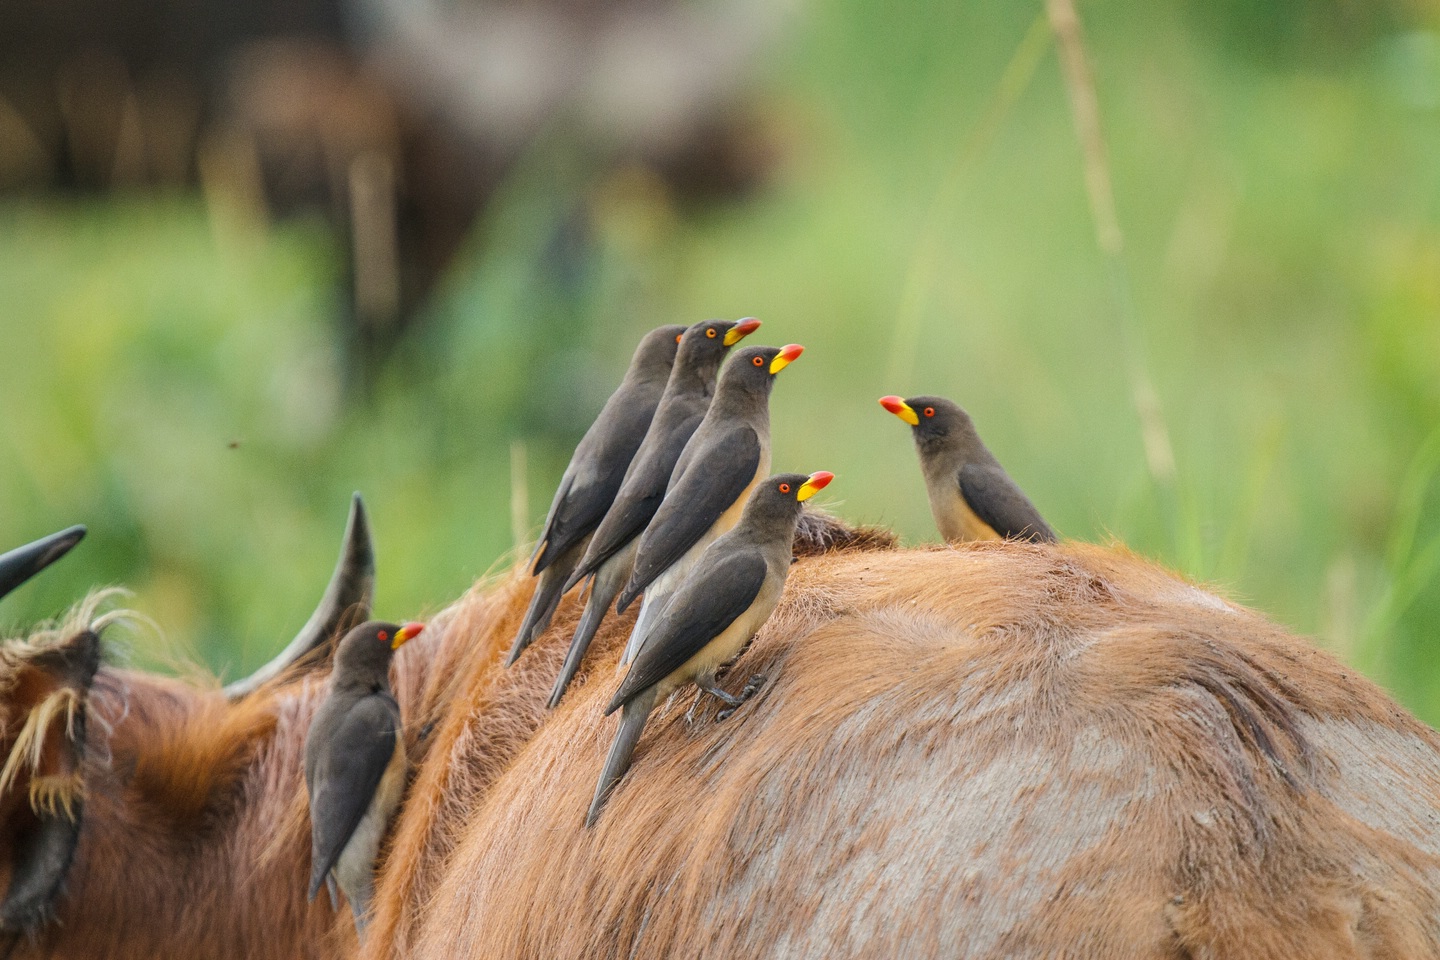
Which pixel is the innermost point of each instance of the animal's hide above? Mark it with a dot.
(992, 750)
(995, 750)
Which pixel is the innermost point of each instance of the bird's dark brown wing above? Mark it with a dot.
(641, 494)
(344, 774)
(596, 470)
(715, 479)
(714, 595)
(999, 502)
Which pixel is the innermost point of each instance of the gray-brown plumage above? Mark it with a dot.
(728, 595)
(971, 495)
(727, 456)
(22, 563)
(611, 552)
(590, 482)
(355, 764)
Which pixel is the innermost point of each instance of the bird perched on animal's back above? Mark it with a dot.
(355, 763)
(971, 495)
(588, 487)
(726, 597)
(728, 454)
(682, 407)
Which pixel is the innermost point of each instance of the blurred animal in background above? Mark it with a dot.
(394, 120)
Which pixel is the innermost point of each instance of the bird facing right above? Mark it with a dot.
(971, 495)
(355, 763)
(726, 596)
(610, 555)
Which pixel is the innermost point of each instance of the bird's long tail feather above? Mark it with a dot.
(606, 584)
(544, 601)
(650, 607)
(632, 720)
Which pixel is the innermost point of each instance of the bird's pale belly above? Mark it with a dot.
(725, 646)
(667, 582)
(356, 863)
(956, 521)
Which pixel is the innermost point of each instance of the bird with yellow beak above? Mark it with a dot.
(355, 764)
(593, 477)
(727, 456)
(610, 556)
(727, 596)
(971, 495)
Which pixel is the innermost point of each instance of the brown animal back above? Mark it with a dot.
(997, 750)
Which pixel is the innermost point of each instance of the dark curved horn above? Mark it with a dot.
(22, 563)
(345, 604)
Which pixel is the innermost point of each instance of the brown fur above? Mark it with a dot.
(992, 750)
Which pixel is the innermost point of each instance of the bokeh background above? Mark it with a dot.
(253, 261)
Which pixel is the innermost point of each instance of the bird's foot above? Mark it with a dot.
(752, 686)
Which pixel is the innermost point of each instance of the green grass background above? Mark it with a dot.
(174, 382)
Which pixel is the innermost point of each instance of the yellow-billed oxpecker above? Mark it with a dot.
(22, 563)
(727, 596)
(682, 407)
(588, 487)
(971, 495)
(355, 764)
(728, 455)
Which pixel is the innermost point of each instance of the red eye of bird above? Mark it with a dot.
(784, 488)
(929, 411)
(710, 333)
(677, 338)
(383, 635)
(758, 361)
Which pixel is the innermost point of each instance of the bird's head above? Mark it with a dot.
(931, 419)
(368, 648)
(754, 368)
(705, 344)
(656, 353)
(778, 499)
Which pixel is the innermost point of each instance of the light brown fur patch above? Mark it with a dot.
(990, 750)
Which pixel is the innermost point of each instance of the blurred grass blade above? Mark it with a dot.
(919, 279)
(1085, 111)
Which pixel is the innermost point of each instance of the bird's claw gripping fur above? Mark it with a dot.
(752, 686)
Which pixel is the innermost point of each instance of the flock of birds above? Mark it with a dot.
(667, 499)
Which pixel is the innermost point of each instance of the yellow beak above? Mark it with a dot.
(901, 409)
(817, 482)
(405, 633)
(741, 330)
(785, 357)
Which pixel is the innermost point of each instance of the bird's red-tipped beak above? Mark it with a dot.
(741, 330)
(406, 632)
(818, 481)
(901, 409)
(785, 357)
